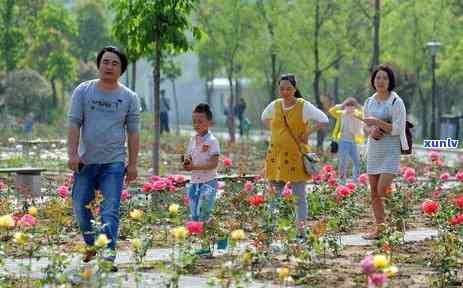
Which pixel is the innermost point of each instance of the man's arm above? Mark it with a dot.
(133, 142)
(73, 144)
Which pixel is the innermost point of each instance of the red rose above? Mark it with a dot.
(256, 200)
(430, 207)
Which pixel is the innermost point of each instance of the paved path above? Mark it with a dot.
(410, 236)
(155, 279)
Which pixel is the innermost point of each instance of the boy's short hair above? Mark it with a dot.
(204, 108)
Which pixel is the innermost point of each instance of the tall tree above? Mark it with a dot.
(270, 12)
(226, 22)
(12, 35)
(93, 32)
(160, 24)
(50, 52)
(124, 34)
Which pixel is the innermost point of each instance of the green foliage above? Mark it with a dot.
(12, 35)
(92, 26)
(22, 99)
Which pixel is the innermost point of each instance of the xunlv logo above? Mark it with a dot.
(449, 143)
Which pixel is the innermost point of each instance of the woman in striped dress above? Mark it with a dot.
(384, 115)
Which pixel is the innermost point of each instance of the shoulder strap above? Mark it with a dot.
(289, 129)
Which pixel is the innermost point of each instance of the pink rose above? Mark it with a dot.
(459, 176)
(317, 178)
(367, 264)
(179, 179)
(444, 176)
(409, 172)
(342, 191)
(436, 194)
(227, 163)
(379, 279)
(248, 186)
(63, 191)
(332, 182)
(327, 168)
(159, 185)
(434, 155)
(147, 187)
(125, 196)
(220, 185)
(2, 185)
(410, 179)
(155, 178)
(363, 179)
(351, 186)
(195, 227)
(28, 220)
(186, 200)
(287, 192)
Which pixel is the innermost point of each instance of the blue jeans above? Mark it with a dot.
(109, 179)
(346, 149)
(201, 194)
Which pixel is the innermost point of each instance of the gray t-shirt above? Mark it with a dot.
(103, 118)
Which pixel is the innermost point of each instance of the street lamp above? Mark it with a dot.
(433, 46)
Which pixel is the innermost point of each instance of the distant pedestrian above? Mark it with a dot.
(165, 108)
(28, 124)
(239, 112)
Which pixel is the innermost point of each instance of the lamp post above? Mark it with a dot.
(433, 46)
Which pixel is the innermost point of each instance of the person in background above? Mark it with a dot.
(239, 112)
(29, 124)
(164, 109)
(348, 132)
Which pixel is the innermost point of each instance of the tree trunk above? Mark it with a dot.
(376, 28)
(209, 83)
(272, 82)
(317, 71)
(54, 93)
(157, 102)
(177, 113)
(424, 114)
(133, 81)
(231, 105)
(274, 79)
(337, 67)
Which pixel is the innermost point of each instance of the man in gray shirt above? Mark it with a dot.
(101, 113)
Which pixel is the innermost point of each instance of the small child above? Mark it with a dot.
(348, 133)
(202, 160)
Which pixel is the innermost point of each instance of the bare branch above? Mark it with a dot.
(332, 63)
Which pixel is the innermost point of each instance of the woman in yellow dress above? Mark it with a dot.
(284, 160)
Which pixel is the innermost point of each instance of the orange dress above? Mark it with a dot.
(283, 160)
